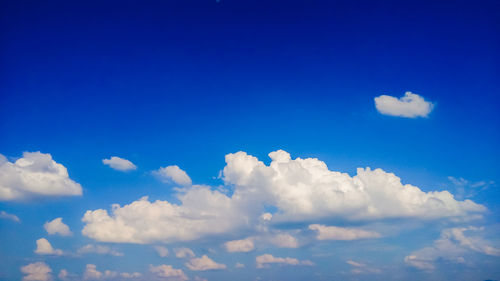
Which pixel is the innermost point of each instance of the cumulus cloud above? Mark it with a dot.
(244, 245)
(410, 105)
(285, 240)
(162, 251)
(341, 233)
(299, 189)
(99, 249)
(43, 247)
(239, 265)
(36, 174)
(266, 259)
(173, 173)
(204, 263)
(168, 272)
(56, 226)
(183, 253)
(63, 274)
(38, 271)
(7, 216)
(452, 246)
(119, 164)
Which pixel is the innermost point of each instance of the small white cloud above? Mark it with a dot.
(410, 105)
(99, 249)
(43, 247)
(239, 265)
(130, 275)
(162, 251)
(341, 233)
(63, 274)
(56, 226)
(168, 272)
(91, 273)
(7, 216)
(451, 246)
(285, 241)
(38, 271)
(119, 164)
(204, 263)
(36, 174)
(360, 268)
(183, 253)
(264, 260)
(173, 173)
(244, 245)
(266, 216)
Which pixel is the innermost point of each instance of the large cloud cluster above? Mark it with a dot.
(35, 174)
(300, 190)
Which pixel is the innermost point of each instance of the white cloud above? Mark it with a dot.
(91, 273)
(285, 240)
(410, 105)
(183, 253)
(7, 216)
(168, 272)
(300, 190)
(43, 247)
(130, 275)
(38, 271)
(239, 265)
(173, 173)
(162, 251)
(341, 233)
(360, 268)
(56, 226)
(452, 246)
(63, 274)
(99, 249)
(119, 164)
(204, 263)
(36, 174)
(244, 245)
(264, 260)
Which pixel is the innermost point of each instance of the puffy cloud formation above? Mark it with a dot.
(183, 253)
(341, 233)
(43, 247)
(410, 105)
(300, 190)
(204, 263)
(7, 216)
(56, 226)
(285, 240)
(99, 249)
(91, 273)
(173, 173)
(162, 251)
(452, 246)
(360, 268)
(168, 272)
(36, 174)
(38, 271)
(63, 274)
(119, 164)
(266, 259)
(244, 245)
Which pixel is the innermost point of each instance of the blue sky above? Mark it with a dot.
(192, 83)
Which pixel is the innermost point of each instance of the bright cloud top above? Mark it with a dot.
(119, 164)
(300, 189)
(204, 263)
(36, 174)
(56, 226)
(244, 245)
(38, 271)
(43, 247)
(341, 233)
(173, 173)
(266, 259)
(410, 105)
